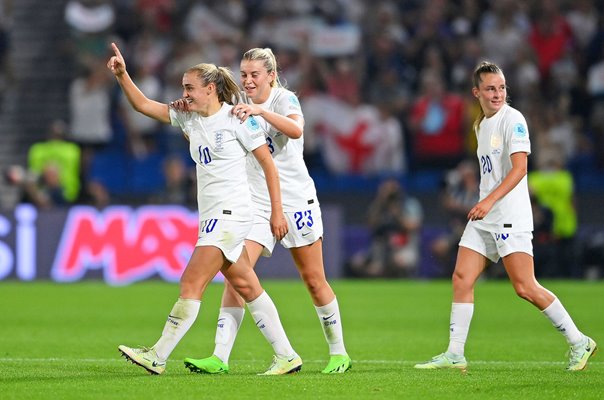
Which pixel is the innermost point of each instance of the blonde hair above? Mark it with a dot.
(268, 60)
(227, 89)
(485, 67)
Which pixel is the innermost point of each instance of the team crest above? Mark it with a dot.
(218, 140)
(519, 130)
(496, 141)
(294, 100)
(252, 123)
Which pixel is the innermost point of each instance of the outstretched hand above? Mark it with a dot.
(116, 63)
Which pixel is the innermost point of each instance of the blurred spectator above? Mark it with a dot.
(180, 183)
(550, 36)
(593, 254)
(141, 130)
(595, 78)
(43, 190)
(358, 139)
(596, 129)
(553, 187)
(341, 79)
(395, 220)
(544, 242)
(460, 194)
(438, 124)
(5, 28)
(582, 17)
(90, 22)
(503, 32)
(89, 106)
(97, 194)
(63, 157)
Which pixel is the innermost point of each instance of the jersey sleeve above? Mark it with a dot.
(288, 104)
(517, 134)
(252, 133)
(177, 119)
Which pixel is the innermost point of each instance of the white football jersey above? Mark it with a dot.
(297, 187)
(219, 144)
(500, 136)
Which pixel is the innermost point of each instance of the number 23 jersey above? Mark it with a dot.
(297, 187)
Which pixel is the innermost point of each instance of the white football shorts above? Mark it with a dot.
(227, 235)
(495, 245)
(304, 228)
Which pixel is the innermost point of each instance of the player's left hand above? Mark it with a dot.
(278, 225)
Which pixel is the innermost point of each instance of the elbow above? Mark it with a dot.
(296, 134)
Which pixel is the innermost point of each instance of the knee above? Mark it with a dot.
(461, 280)
(241, 286)
(525, 291)
(314, 284)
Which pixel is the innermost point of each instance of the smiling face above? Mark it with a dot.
(256, 80)
(199, 96)
(491, 92)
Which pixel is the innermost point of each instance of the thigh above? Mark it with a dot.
(520, 267)
(309, 260)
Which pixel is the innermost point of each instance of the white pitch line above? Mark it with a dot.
(399, 362)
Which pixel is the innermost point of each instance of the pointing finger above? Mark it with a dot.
(116, 50)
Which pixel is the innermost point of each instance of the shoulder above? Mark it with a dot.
(512, 118)
(282, 94)
(512, 114)
(254, 127)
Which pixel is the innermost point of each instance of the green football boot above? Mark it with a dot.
(209, 365)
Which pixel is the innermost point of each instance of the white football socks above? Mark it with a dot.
(229, 322)
(179, 321)
(266, 317)
(329, 316)
(562, 321)
(459, 326)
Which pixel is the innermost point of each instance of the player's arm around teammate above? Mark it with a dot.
(224, 205)
(266, 97)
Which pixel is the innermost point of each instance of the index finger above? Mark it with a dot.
(116, 50)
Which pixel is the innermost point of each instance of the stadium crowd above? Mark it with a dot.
(384, 87)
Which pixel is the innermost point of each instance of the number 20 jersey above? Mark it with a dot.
(500, 136)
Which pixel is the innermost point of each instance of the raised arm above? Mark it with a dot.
(278, 222)
(137, 99)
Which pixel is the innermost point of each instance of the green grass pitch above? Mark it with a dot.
(60, 342)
